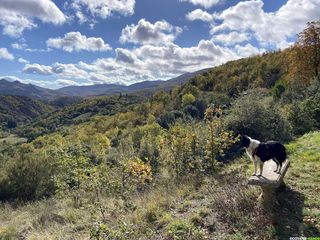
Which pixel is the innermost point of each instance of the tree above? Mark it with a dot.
(306, 53)
(187, 99)
(11, 123)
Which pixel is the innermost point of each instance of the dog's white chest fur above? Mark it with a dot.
(250, 152)
(252, 147)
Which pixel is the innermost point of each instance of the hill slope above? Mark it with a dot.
(237, 76)
(20, 89)
(79, 112)
(20, 109)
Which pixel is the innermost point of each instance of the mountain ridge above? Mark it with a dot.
(148, 87)
(17, 88)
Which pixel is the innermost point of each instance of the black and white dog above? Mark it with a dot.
(261, 152)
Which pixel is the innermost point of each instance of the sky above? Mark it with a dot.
(83, 42)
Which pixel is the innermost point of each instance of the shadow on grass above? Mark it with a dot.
(289, 216)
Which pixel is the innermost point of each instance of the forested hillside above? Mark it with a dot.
(16, 110)
(169, 166)
(235, 77)
(80, 111)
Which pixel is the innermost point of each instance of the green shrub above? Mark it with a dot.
(305, 115)
(259, 117)
(8, 233)
(27, 175)
(187, 99)
(182, 229)
(123, 231)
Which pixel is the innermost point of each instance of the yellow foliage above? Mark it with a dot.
(141, 171)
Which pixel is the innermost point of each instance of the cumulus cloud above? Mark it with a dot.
(66, 82)
(203, 3)
(59, 69)
(147, 62)
(36, 68)
(199, 14)
(150, 62)
(5, 54)
(231, 38)
(22, 60)
(124, 55)
(69, 71)
(275, 28)
(102, 8)
(75, 41)
(144, 32)
(18, 15)
(25, 47)
(248, 50)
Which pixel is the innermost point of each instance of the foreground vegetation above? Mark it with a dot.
(219, 207)
(168, 166)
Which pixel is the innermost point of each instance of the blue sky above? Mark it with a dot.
(82, 42)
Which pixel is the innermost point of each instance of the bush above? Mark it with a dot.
(191, 110)
(187, 99)
(27, 175)
(305, 116)
(182, 229)
(257, 115)
(169, 118)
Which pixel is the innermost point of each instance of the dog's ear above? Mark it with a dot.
(244, 141)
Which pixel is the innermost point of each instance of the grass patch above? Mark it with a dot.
(13, 139)
(300, 202)
(180, 229)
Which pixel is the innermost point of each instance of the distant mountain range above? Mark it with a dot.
(17, 88)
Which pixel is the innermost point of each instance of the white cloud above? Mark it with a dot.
(69, 71)
(36, 68)
(75, 41)
(248, 50)
(203, 3)
(102, 8)
(4, 54)
(144, 32)
(124, 55)
(25, 47)
(11, 78)
(22, 60)
(199, 14)
(18, 15)
(66, 82)
(147, 62)
(231, 38)
(150, 62)
(59, 69)
(275, 28)
(19, 46)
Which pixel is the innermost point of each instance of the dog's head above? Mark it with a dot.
(244, 141)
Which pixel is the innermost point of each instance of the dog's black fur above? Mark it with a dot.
(269, 150)
(244, 141)
(272, 150)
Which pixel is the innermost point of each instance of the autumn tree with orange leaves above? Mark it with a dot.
(306, 54)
